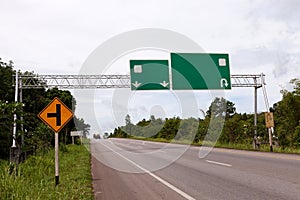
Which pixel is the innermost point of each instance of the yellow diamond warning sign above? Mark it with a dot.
(56, 114)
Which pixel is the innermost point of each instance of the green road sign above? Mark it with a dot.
(200, 71)
(149, 75)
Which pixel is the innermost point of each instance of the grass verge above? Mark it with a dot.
(263, 148)
(34, 179)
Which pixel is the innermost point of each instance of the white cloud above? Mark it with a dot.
(55, 37)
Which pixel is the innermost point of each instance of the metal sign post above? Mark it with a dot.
(270, 124)
(56, 159)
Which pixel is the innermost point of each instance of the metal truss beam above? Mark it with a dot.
(248, 80)
(111, 81)
(75, 81)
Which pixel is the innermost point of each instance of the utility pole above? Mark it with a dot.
(14, 149)
(255, 117)
(15, 115)
(56, 159)
(270, 118)
(21, 117)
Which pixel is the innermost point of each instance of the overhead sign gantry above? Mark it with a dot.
(123, 81)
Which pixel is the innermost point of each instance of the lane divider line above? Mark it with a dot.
(185, 195)
(218, 163)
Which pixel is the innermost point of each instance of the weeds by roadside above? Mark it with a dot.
(34, 179)
(263, 148)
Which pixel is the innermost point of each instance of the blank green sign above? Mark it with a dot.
(200, 71)
(149, 75)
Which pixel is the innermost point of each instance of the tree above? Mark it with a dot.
(128, 125)
(220, 107)
(6, 88)
(148, 128)
(7, 111)
(233, 131)
(36, 134)
(127, 120)
(119, 133)
(296, 83)
(187, 130)
(286, 115)
(169, 129)
(7, 106)
(202, 129)
(80, 125)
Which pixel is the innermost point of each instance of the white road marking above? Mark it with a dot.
(138, 143)
(219, 163)
(185, 195)
(162, 151)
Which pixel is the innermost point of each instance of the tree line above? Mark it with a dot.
(32, 134)
(238, 128)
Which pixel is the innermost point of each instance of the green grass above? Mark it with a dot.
(150, 139)
(263, 147)
(34, 179)
(234, 146)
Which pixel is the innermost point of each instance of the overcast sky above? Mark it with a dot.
(57, 36)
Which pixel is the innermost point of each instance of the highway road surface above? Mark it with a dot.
(133, 169)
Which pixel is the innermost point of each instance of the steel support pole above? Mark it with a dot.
(270, 139)
(15, 115)
(56, 160)
(255, 119)
(14, 151)
(21, 117)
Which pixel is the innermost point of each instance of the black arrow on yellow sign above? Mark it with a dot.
(57, 115)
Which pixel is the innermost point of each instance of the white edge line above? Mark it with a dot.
(218, 163)
(185, 195)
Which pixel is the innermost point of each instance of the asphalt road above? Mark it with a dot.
(131, 169)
